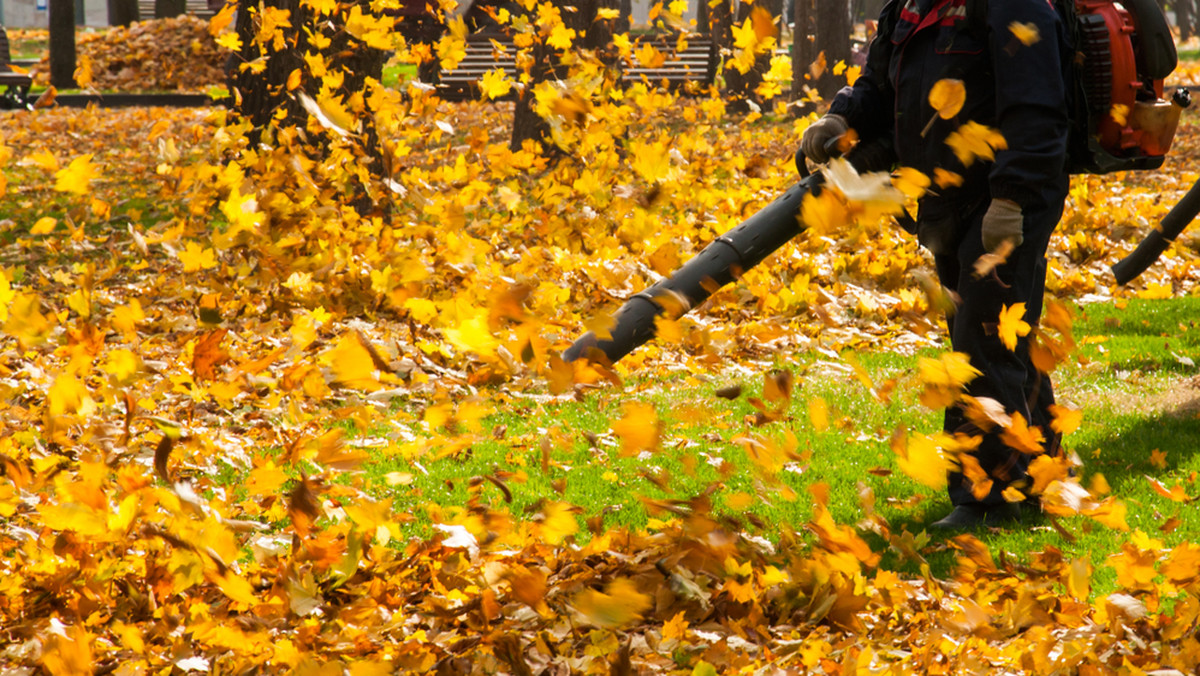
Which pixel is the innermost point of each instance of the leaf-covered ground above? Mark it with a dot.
(167, 326)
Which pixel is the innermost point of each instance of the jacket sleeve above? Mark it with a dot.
(1031, 99)
(868, 105)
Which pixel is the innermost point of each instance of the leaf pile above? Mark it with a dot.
(174, 54)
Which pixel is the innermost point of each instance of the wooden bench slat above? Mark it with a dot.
(488, 52)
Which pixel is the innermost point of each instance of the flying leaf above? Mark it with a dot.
(1022, 436)
(1066, 419)
(1027, 33)
(946, 179)
(330, 113)
(973, 141)
(495, 84)
(637, 427)
(923, 460)
(618, 605)
(947, 97)
(76, 177)
(1012, 324)
(869, 187)
(1120, 114)
(1158, 458)
(910, 181)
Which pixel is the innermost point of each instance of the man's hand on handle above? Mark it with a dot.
(816, 138)
(1003, 221)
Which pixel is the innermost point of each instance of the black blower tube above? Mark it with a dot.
(1128, 268)
(718, 264)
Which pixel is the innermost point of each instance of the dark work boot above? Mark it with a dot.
(971, 516)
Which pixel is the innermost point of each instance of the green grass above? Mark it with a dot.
(395, 74)
(1127, 379)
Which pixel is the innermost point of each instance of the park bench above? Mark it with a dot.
(16, 85)
(695, 67)
(199, 8)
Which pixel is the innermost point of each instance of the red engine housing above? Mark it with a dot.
(1126, 56)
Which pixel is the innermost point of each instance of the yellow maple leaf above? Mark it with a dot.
(1012, 324)
(649, 57)
(946, 179)
(618, 605)
(952, 369)
(229, 41)
(1120, 114)
(818, 413)
(195, 257)
(561, 37)
(1156, 291)
(676, 627)
(825, 213)
(1110, 512)
(763, 22)
(26, 322)
(667, 330)
(1027, 33)
(744, 36)
(1079, 579)
(68, 396)
(6, 296)
(912, 182)
(1045, 470)
(558, 522)
(76, 177)
(126, 317)
(473, 335)
(651, 160)
(44, 226)
(947, 97)
(637, 427)
(1011, 494)
(83, 71)
(221, 20)
(1066, 420)
(43, 159)
(973, 141)
(495, 83)
(921, 459)
(352, 364)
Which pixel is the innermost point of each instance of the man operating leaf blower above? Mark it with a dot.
(1008, 58)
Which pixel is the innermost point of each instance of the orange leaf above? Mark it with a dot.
(1022, 437)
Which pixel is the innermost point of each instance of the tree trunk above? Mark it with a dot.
(594, 35)
(804, 48)
(833, 39)
(122, 12)
(62, 44)
(1184, 18)
(259, 97)
(822, 39)
(742, 85)
(165, 9)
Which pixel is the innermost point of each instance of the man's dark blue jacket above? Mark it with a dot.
(1017, 88)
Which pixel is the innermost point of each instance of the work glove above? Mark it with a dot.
(1003, 221)
(819, 134)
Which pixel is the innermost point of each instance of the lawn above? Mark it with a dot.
(253, 428)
